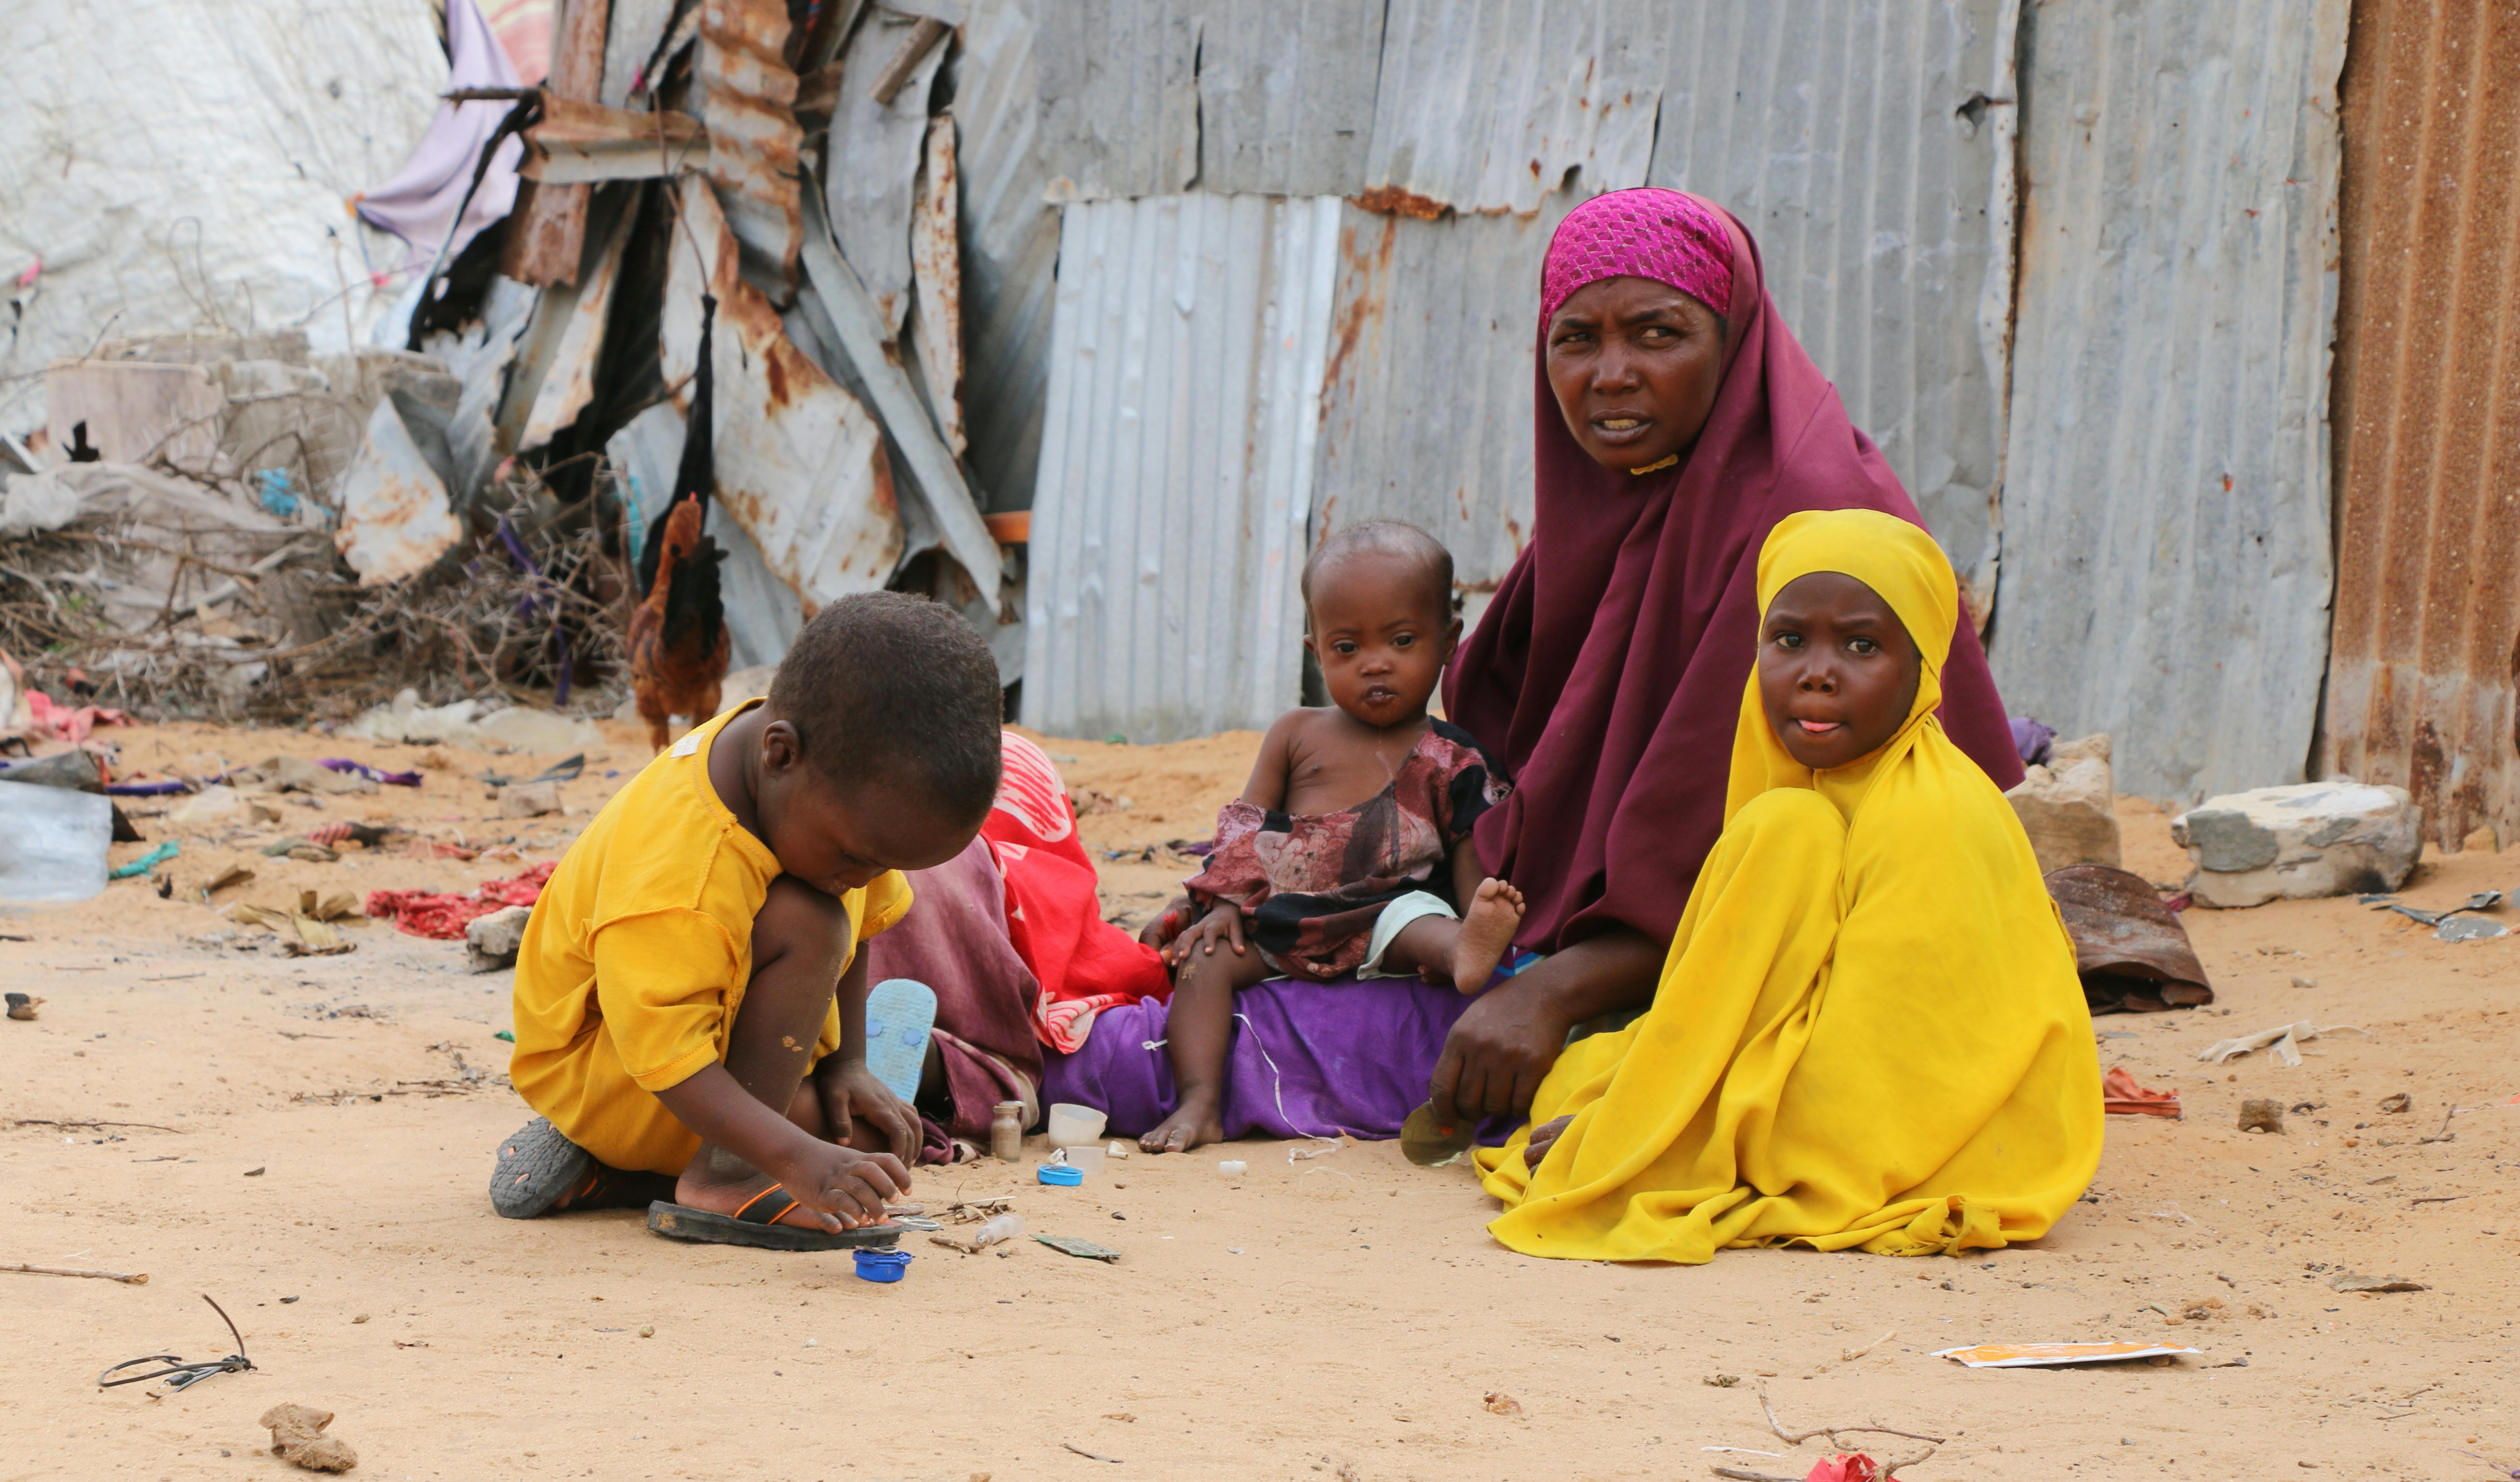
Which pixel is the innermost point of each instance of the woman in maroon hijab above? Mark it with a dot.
(1677, 421)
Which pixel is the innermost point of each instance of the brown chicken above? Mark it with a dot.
(678, 638)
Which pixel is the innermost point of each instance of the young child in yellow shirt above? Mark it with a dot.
(690, 998)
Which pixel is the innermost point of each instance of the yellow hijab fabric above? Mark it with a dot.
(1868, 1031)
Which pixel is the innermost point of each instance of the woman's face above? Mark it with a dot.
(1635, 365)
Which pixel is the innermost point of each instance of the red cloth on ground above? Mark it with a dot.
(67, 723)
(1606, 675)
(2119, 1093)
(443, 917)
(1081, 964)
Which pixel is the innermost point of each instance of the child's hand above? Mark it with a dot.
(845, 1183)
(849, 1090)
(1224, 923)
(1171, 921)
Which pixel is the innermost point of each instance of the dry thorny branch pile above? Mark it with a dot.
(531, 606)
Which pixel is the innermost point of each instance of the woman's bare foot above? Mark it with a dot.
(1488, 927)
(1197, 1121)
(1542, 1137)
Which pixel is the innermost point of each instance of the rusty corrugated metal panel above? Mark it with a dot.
(636, 28)
(580, 143)
(2420, 689)
(800, 464)
(874, 159)
(2166, 565)
(936, 266)
(746, 98)
(1490, 105)
(1877, 178)
(1427, 413)
(1010, 251)
(1185, 403)
(549, 230)
(1120, 97)
(569, 383)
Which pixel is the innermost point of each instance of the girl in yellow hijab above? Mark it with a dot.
(1868, 1031)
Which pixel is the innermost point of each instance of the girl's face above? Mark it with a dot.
(1837, 671)
(1634, 365)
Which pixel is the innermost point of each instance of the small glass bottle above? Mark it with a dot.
(1005, 1132)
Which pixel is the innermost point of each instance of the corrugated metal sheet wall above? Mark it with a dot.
(2427, 413)
(1855, 139)
(1010, 251)
(1186, 399)
(2166, 568)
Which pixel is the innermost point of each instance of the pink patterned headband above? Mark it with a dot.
(1668, 236)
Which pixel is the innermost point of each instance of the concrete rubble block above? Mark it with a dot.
(490, 942)
(2300, 842)
(2068, 806)
(529, 800)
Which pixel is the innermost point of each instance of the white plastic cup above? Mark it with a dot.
(1086, 1158)
(1073, 1126)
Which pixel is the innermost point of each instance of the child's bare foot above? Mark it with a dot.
(719, 1193)
(1488, 927)
(1197, 1121)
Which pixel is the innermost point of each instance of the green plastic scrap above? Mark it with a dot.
(147, 862)
(1070, 1245)
(509, 1035)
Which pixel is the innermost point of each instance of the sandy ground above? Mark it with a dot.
(280, 1133)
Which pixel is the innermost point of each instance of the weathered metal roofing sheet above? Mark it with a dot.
(1285, 96)
(1010, 251)
(1428, 414)
(871, 162)
(748, 96)
(1490, 105)
(1856, 140)
(634, 30)
(1168, 530)
(936, 269)
(2427, 416)
(800, 464)
(2166, 568)
(1120, 97)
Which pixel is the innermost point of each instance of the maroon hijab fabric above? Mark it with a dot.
(1607, 672)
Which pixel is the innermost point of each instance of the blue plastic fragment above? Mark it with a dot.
(147, 862)
(883, 1264)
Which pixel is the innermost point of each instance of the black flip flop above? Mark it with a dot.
(537, 1168)
(752, 1226)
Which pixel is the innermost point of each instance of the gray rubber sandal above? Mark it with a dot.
(537, 1168)
(753, 1226)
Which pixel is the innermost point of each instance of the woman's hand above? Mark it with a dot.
(1222, 925)
(1507, 1039)
(849, 1090)
(1175, 918)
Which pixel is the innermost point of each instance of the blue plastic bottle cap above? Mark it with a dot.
(883, 1264)
(1059, 1173)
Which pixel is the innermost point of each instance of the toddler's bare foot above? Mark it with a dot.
(1197, 1121)
(1488, 927)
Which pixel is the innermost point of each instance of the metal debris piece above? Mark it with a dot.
(178, 1373)
(581, 142)
(1072, 1247)
(749, 96)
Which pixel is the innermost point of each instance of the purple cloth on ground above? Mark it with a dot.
(145, 789)
(1307, 1059)
(372, 774)
(2032, 740)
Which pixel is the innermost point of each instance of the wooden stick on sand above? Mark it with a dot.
(135, 1277)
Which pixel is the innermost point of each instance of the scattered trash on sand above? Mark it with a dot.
(178, 1373)
(2058, 1354)
(2282, 1042)
(443, 916)
(885, 1265)
(2259, 1114)
(1847, 1465)
(2122, 1095)
(1070, 1245)
(2130, 948)
(22, 1006)
(298, 1435)
(2351, 1280)
(1497, 1401)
